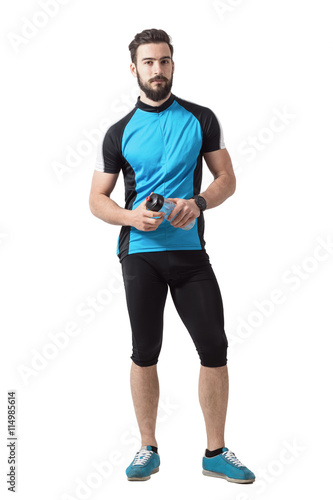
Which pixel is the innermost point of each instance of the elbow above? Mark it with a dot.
(232, 185)
(92, 204)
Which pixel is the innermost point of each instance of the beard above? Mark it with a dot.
(156, 94)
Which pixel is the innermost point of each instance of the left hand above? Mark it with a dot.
(187, 211)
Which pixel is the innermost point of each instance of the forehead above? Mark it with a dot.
(154, 50)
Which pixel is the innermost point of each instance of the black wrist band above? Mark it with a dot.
(200, 202)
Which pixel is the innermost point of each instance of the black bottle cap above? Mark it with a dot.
(154, 202)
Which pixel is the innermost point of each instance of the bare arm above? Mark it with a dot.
(100, 202)
(103, 207)
(224, 183)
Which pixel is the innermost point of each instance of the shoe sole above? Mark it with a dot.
(223, 476)
(143, 478)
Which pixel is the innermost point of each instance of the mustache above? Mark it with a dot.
(159, 78)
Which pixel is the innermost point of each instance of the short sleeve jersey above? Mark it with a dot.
(159, 149)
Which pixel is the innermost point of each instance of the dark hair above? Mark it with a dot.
(149, 36)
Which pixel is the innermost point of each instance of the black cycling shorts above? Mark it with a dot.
(195, 293)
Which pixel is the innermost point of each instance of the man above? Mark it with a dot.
(159, 147)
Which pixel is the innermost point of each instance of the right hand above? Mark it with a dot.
(142, 218)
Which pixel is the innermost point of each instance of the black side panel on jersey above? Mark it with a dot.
(130, 196)
(114, 161)
(112, 157)
(212, 136)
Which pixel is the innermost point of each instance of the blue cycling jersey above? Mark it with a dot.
(160, 148)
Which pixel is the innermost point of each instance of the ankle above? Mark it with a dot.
(149, 442)
(214, 446)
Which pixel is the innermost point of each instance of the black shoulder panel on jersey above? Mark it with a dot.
(212, 138)
(113, 160)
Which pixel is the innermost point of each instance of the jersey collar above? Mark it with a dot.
(155, 109)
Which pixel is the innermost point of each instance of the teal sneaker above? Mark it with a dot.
(145, 462)
(227, 466)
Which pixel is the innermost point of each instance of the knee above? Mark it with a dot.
(143, 363)
(136, 364)
(216, 353)
(145, 358)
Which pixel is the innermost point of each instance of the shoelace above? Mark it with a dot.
(141, 457)
(233, 459)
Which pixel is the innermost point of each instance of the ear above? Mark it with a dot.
(133, 69)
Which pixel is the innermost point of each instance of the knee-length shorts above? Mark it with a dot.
(196, 296)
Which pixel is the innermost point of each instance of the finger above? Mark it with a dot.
(176, 214)
(180, 219)
(155, 215)
(185, 223)
(176, 221)
(173, 199)
(152, 224)
(173, 213)
(154, 221)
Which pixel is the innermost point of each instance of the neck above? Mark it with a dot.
(144, 98)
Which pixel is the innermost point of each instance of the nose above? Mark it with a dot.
(158, 68)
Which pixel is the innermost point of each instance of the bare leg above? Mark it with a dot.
(213, 397)
(145, 394)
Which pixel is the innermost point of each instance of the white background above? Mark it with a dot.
(68, 80)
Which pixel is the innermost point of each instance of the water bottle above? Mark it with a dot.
(157, 203)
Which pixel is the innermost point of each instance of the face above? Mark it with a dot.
(154, 70)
